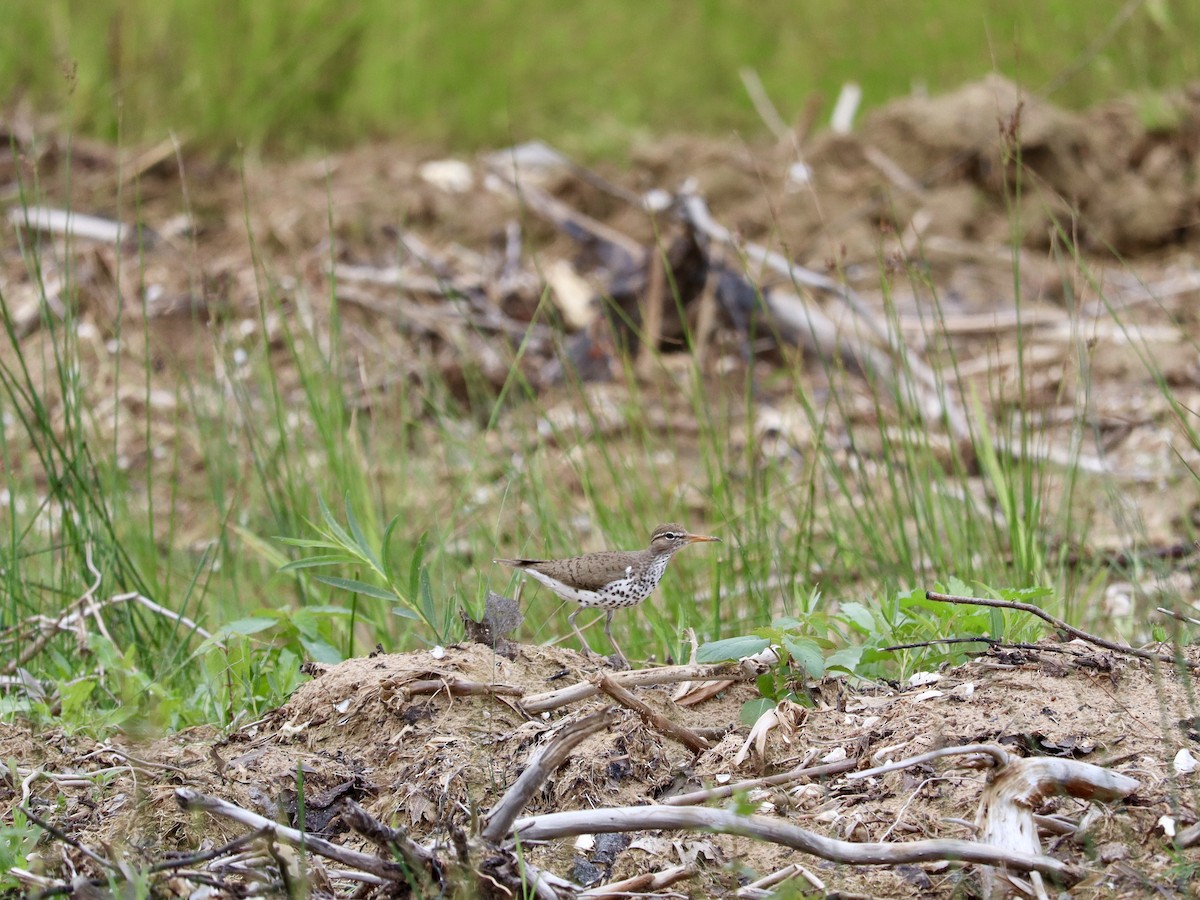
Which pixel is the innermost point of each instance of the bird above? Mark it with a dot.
(610, 579)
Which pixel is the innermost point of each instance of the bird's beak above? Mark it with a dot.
(702, 539)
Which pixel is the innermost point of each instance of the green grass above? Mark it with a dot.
(429, 484)
(830, 543)
(588, 75)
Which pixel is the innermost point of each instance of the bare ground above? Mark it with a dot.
(433, 763)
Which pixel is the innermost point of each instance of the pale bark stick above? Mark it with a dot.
(500, 818)
(193, 800)
(691, 818)
(663, 675)
(727, 790)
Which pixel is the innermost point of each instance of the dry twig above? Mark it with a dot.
(650, 716)
(500, 818)
(1062, 626)
(194, 800)
(539, 703)
(799, 773)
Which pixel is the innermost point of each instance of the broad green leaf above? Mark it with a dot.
(357, 587)
(752, 710)
(1026, 595)
(807, 653)
(252, 625)
(319, 651)
(404, 612)
(846, 659)
(790, 623)
(731, 648)
(858, 616)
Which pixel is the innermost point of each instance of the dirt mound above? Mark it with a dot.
(432, 764)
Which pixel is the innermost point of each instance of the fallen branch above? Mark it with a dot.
(193, 800)
(1004, 818)
(458, 687)
(650, 716)
(423, 865)
(539, 703)
(799, 773)
(691, 818)
(499, 820)
(695, 211)
(1059, 624)
(645, 883)
(761, 887)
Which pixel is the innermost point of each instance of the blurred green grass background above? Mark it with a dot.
(293, 74)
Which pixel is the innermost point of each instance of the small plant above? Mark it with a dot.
(919, 625)
(350, 546)
(16, 844)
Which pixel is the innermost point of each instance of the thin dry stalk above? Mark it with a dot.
(539, 703)
(799, 773)
(1062, 626)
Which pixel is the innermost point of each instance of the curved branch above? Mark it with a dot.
(642, 818)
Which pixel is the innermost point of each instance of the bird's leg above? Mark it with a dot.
(583, 644)
(619, 661)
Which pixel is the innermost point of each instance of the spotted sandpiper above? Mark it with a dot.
(610, 579)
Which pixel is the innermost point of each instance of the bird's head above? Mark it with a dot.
(671, 537)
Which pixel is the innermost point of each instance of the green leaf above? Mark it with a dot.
(364, 546)
(311, 562)
(357, 587)
(385, 546)
(319, 651)
(846, 659)
(252, 625)
(789, 623)
(404, 612)
(414, 567)
(328, 610)
(807, 653)
(753, 709)
(332, 524)
(731, 648)
(1027, 595)
(309, 543)
(858, 616)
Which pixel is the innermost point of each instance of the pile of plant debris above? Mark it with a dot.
(403, 761)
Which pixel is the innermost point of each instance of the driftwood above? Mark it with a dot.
(1005, 819)
(641, 818)
(499, 820)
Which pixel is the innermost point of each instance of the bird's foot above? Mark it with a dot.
(618, 663)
